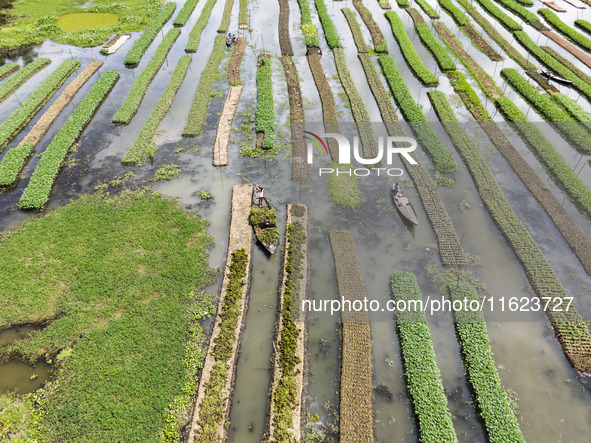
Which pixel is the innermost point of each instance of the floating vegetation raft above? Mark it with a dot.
(288, 367)
(565, 30)
(226, 16)
(34, 102)
(498, 417)
(213, 395)
(15, 81)
(143, 140)
(265, 112)
(379, 42)
(140, 46)
(356, 410)
(196, 118)
(181, 19)
(420, 366)
(8, 69)
(37, 193)
(195, 34)
(140, 86)
(308, 28)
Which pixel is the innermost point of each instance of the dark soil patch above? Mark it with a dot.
(416, 16)
(481, 43)
(284, 37)
(235, 60)
(376, 34)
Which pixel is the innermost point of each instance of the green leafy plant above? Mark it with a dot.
(526, 15)
(499, 420)
(401, 3)
(429, 10)
(140, 46)
(196, 118)
(243, 13)
(265, 111)
(564, 29)
(426, 136)
(166, 172)
(226, 16)
(574, 109)
(140, 85)
(268, 236)
(16, 121)
(355, 30)
(37, 193)
(330, 31)
(500, 16)
(181, 19)
(143, 141)
(543, 104)
(308, 28)
(439, 52)
(195, 34)
(454, 12)
(15, 81)
(8, 69)
(379, 42)
(260, 216)
(584, 25)
(420, 365)
(204, 195)
(410, 54)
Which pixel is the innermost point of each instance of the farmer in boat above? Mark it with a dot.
(397, 188)
(231, 38)
(259, 195)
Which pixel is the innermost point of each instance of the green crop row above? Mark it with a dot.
(195, 34)
(439, 52)
(570, 330)
(496, 36)
(330, 31)
(181, 19)
(429, 10)
(16, 121)
(15, 81)
(401, 3)
(140, 86)
(212, 407)
(355, 30)
(553, 162)
(284, 396)
(243, 13)
(544, 57)
(308, 28)
(574, 109)
(226, 16)
(7, 69)
(526, 15)
(526, 2)
(499, 15)
(198, 110)
(13, 162)
(140, 46)
(565, 29)
(36, 195)
(584, 25)
(358, 109)
(498, 417)
(265, 111)
(134, 155)
(442, 159)
(420, 365)
(567, 63)
(542, 103)
(379, 42)
(410, 54)
(455, 12)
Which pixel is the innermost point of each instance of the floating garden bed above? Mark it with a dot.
(423, 378)
(265, 111)
(226, 16)
(181, 19)
(140, 85)
(15, 81)
(308, 28)
(143, 141)
(7, 69)
(196, 118)
(37, 193)
(564, 29)
(355, 30)
(438, 51)
(330, 31)
(510, 24)
(195, 34)
(142, 44)
(379, 42)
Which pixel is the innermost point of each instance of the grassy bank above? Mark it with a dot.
(119, 271)
(32, 21)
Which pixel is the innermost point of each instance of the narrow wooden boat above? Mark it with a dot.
(263, 219)
(553, 76)
(404, 206)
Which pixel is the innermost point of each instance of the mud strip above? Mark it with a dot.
(235, 61)
(567, 63)
(570, 231)
(283, 28)
(487, 84)
(240, 238)
(376, 34)
(582, 56)
(42, 126)
(416, 15)
(356, 402)
(300, 170)
(220, 146)
(295, 214)
(481, 43)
